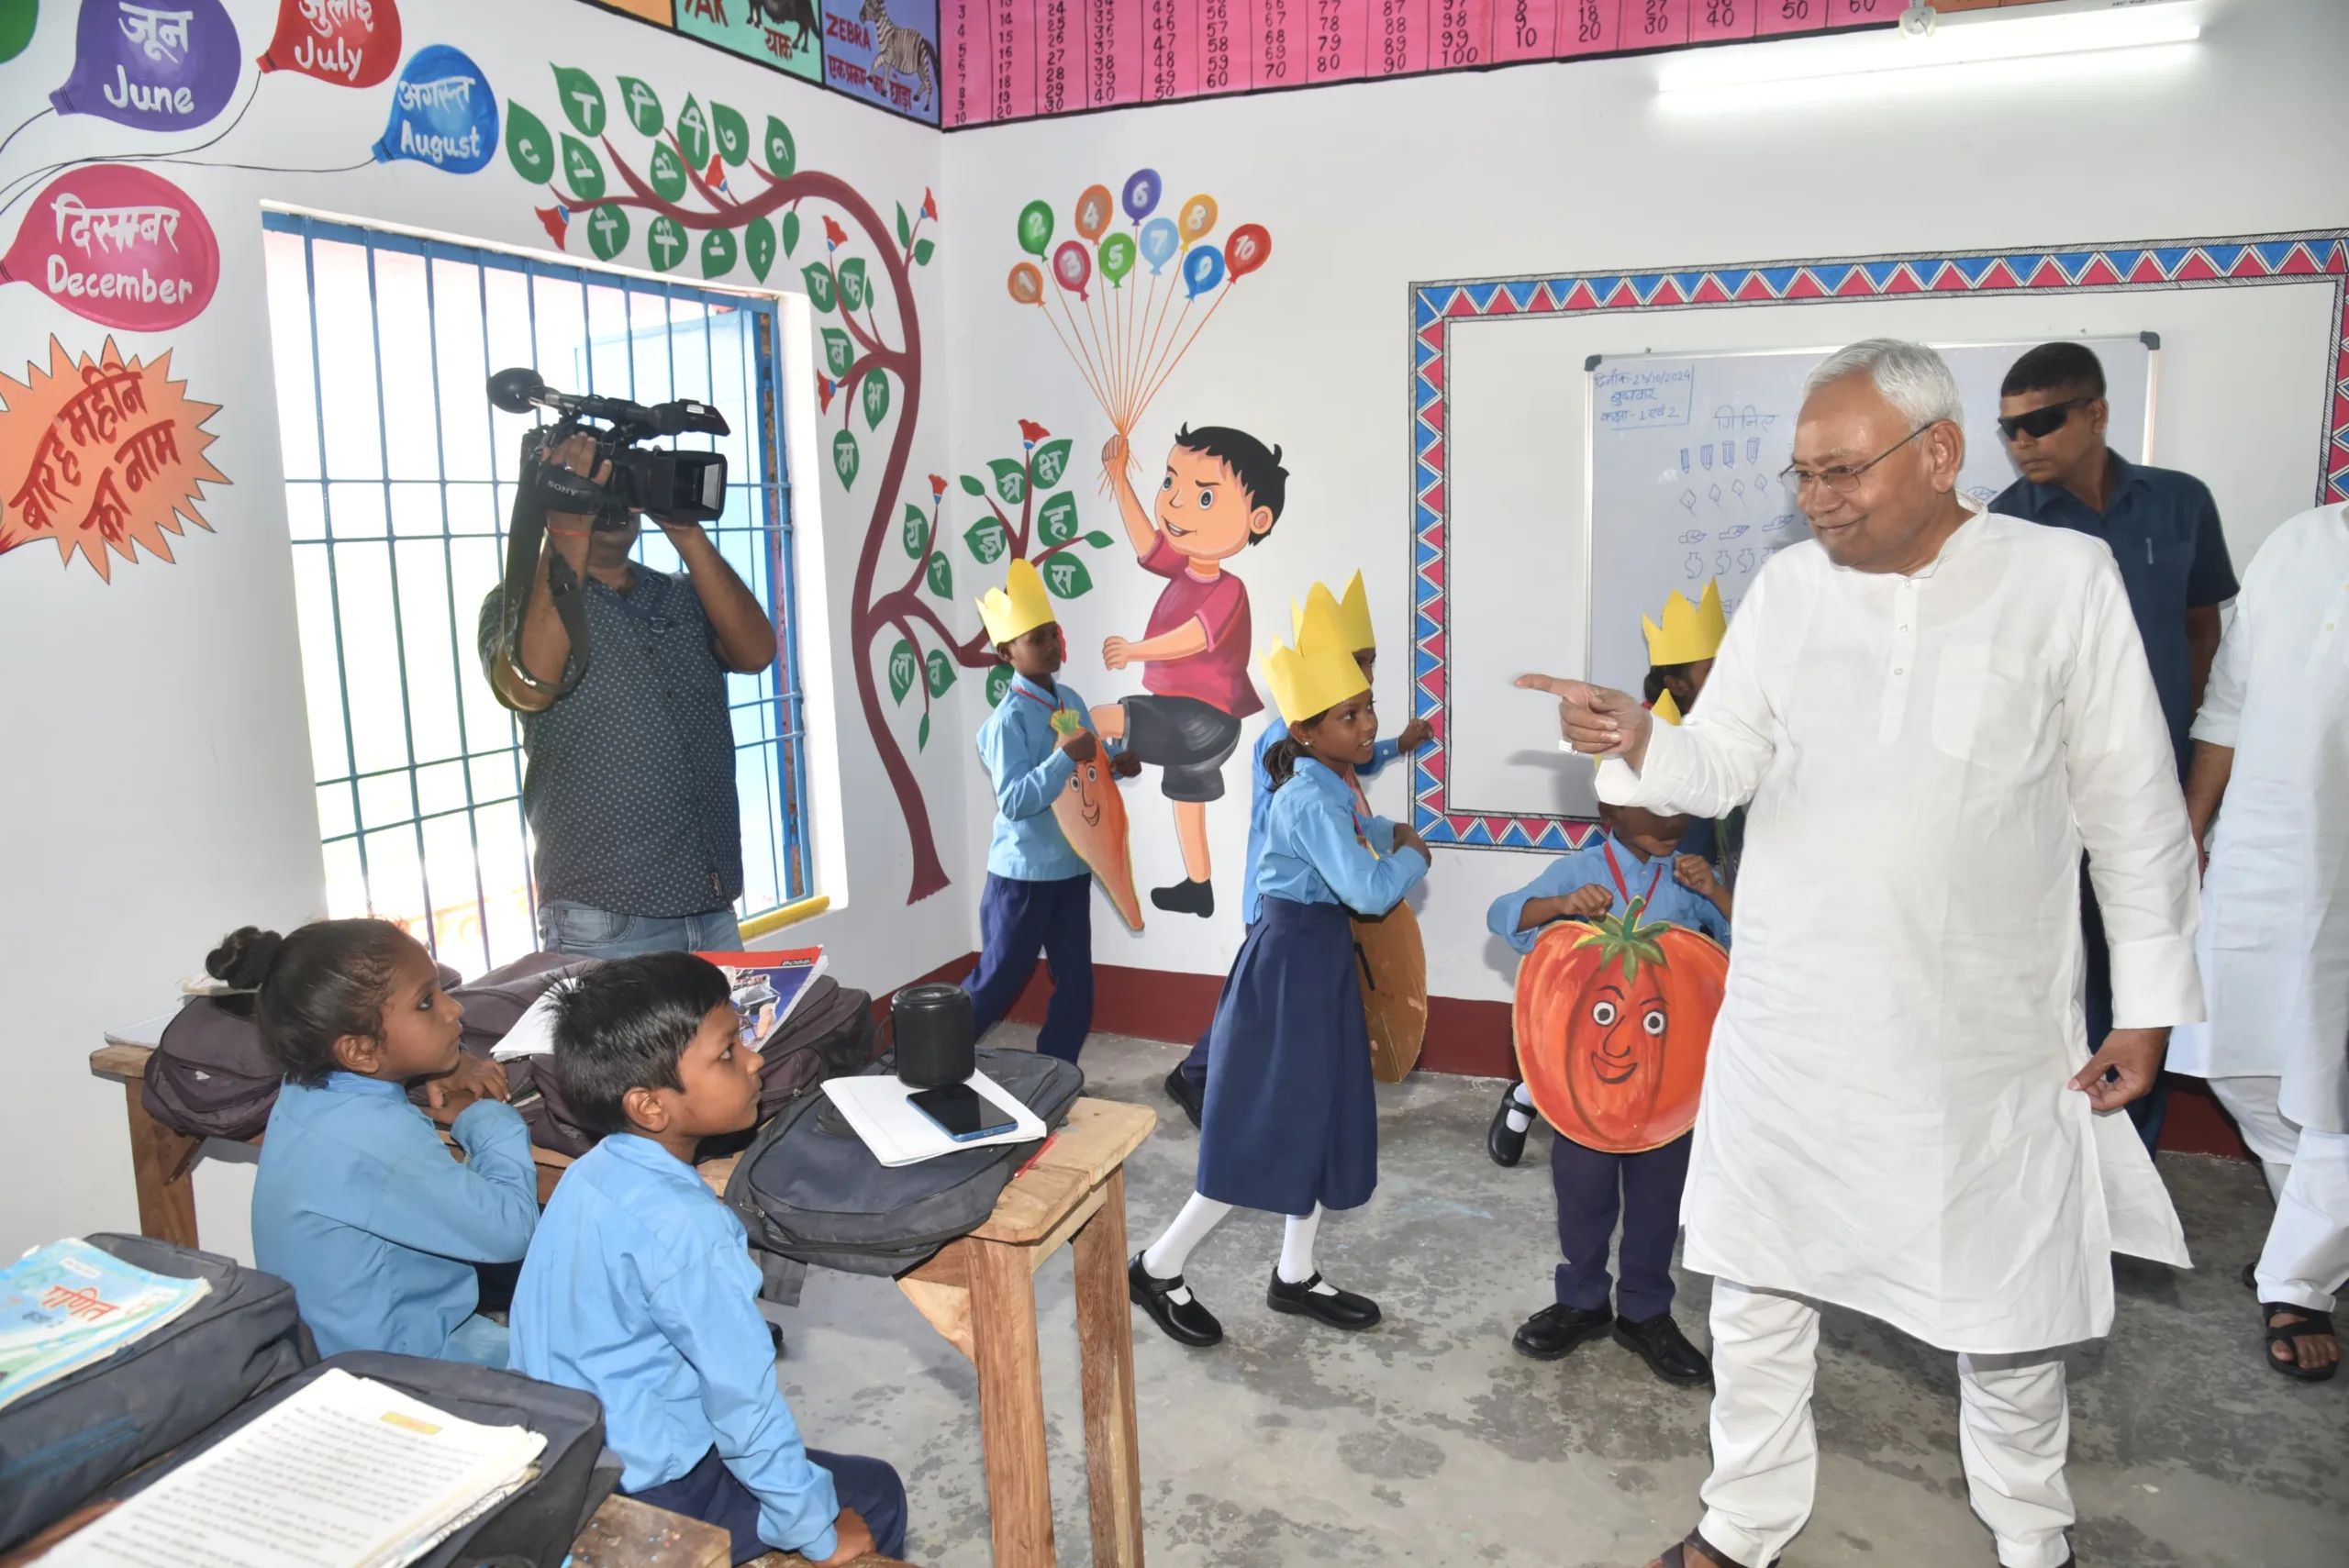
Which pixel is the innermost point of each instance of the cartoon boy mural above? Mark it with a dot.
(1223, 491)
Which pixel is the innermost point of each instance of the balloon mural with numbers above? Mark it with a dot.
(716, 195)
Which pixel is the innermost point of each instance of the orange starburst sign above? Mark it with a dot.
(101, 455)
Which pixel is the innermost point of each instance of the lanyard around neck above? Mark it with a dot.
(1617, 872)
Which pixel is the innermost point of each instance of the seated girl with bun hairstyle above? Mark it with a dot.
(359, 1203)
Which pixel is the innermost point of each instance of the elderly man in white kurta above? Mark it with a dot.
(2271, 760)
(1901, 1113)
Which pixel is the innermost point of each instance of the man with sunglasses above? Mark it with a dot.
(2162, 530)
(1899, 1114)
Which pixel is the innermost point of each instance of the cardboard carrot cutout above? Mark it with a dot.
(1613, 1022)
(1092, 814)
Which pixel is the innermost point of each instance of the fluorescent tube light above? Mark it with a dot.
(1997, 37)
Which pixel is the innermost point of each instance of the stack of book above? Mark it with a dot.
(66, 1306)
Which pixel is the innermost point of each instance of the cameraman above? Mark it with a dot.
(630, 791)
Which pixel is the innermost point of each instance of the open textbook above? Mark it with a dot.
(348, 1472)
(68, 1305)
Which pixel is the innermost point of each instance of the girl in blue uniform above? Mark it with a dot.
(1290, 1125)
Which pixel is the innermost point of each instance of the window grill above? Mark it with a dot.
(398, 480)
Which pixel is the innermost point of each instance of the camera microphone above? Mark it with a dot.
(519, 390)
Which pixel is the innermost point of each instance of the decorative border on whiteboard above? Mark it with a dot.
(2195, 264)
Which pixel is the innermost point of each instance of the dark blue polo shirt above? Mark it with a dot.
(630, 791)
(2162, 530)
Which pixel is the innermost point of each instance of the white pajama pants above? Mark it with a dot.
(2306, 1261)
(2014, 1428)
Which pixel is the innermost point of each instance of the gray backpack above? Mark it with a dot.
(808, 1191)
(60, 1443)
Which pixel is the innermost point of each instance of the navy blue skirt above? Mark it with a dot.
(1290, 1118)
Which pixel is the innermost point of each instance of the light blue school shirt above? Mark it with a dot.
(359, 1205)
(1669, 901)
(641, 1290)
(1023, 756)
(1311, 855)
(1259, 804)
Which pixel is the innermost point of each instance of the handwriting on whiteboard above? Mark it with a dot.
(1641, 397)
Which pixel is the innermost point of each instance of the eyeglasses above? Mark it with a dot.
(1844, 478)
(2041, 421)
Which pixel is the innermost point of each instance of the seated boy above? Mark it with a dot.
(1636, 860)
(640, 1287)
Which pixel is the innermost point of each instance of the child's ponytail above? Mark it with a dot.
(1280, 762)
(308, 989)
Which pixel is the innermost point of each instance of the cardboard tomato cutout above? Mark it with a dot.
(1612, 1023)
(1091, 815)
(1391, 962)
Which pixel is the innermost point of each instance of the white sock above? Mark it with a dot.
(1521, 1109)
(1165, 1258)
(1296, 1252)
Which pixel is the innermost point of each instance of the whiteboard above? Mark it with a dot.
(1682, 469)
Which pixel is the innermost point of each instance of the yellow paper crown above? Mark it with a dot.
(1320, 673)
(1690, 632)
(1352, 613)
(1020, 605)
(1664, 708)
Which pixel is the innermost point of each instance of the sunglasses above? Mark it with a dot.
(2041, 421)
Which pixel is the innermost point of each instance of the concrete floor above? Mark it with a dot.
(1428, 1441)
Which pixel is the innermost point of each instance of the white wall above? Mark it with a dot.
(157, 747)
(1570, 167)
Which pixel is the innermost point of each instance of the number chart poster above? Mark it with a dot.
(1012, 60)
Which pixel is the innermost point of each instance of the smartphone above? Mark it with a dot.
(962, 1112)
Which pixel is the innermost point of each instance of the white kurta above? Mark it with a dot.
(2275, 940)
(1886, 1120)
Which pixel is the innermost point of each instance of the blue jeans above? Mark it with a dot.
(709, 1492)
(1593, 1188)
(1017, 920)
(589, 932)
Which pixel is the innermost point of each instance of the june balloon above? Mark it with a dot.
(1141, 194)
(156, 67)
(118, 246)
(443, 112)
(1197, 218)
(1202, 269)
(1073, 265)
(1027, 285)
(336, 41)
(1158, 243)
(1246, 248)
(1116, 259)
(1094, 211)
(1036, 228)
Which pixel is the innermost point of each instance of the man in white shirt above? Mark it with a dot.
(2272, 743)
(1902, 1114)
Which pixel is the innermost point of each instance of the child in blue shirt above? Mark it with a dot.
(1636, 858)
(358, 1203)
(1039, 893)
(639, 1286)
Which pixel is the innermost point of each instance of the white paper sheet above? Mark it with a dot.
(898, 1134)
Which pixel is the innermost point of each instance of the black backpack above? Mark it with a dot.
(808, 1191)
(88, 1430)
(533, 1529)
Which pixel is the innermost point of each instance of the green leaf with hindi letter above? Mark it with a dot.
(606, 232)
(942, 672)
(986, 541)
(845, 458)
(838, 353)
(998, 685)
(528, 146)
(582, 99)
(693, 134)
(853, 283)
(782, 155)
(582, 168)
(916, 532)
(643, 106)
(876, 395)
(819, 284)
(733, 133)
(665, 241)
(666, 172)
(1050, 462)
(758, 244)
(1010, 481)
(1066, 577)
(903, 662)
(717, 252)
(1056, 521)
(941, 577)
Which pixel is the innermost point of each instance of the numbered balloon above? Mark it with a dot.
(1158, 243)
(443, 112)
(1027, 285)
(1073, 265)
(161, 67)
(1247, 249)
(1202, 269)
(118, 246)
(1141, 193)
(350, 43)
(1094, 210)
(1036, 228)
(1116, 259)
(1199, 217)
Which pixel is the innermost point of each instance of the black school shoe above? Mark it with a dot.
(1558, 1329)
(1184, 1322)
(1665, 1348)
(1186, 897)
(1342, 1310)
(1191, 1096)
(1506, 1147)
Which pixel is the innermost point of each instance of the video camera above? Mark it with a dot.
(675, 486)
